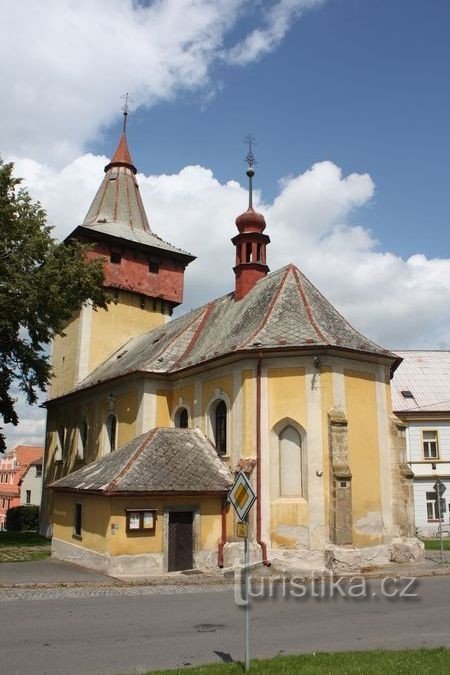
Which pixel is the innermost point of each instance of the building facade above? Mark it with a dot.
(269, 378)
(421, 398)
(13, 467)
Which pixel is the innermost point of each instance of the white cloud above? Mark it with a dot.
(399, 303)
(277, 21)
(64, 64)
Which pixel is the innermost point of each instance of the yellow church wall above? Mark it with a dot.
(248, 413)
(123, 319)
(288, 517)
(223, 383)
(361, 405)
(126, 410)
(163, 407)
(64, 358)
(100, 513)
(95, 517)
(287, 395)
(326, 387)
(185, 393)
(287, 399)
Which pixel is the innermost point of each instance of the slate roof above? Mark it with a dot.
(117, 210)
(161, 460)
(426, 374)
(283, 310)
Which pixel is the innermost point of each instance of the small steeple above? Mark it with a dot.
(122, 155)
(250, 243)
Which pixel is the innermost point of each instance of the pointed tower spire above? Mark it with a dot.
(250, 243)
(122, 155)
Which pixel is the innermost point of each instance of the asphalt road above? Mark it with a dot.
(120, 630)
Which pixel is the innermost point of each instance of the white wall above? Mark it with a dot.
(33, 483)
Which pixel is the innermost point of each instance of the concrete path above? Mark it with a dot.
(46, 572)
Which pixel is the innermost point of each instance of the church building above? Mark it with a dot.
(149, 417)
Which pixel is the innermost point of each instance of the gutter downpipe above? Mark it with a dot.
(258, 462)
(223, 539)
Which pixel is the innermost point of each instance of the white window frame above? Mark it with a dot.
(426, 444)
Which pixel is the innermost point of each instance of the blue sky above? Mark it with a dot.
(348, 100)
(362, 82)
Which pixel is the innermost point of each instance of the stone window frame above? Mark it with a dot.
(108, 445)
(275, 482)
(219, 396)
(177, 413)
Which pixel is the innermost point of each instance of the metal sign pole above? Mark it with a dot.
(247, 603)
(440, 525)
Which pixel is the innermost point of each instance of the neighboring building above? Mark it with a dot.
(269, 376)
(421, 398)
(31, 484)
(13, 466)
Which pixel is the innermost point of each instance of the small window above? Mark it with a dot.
(28, 497)
(60, 442)
(181, 418)
(111, 433)
(153, 267)
(38, 470)
(430, 444)
(115, 258)
(220, 428)
(82, 439)
(432, 507)
(141, 520)
(406, 393)
(77, 514)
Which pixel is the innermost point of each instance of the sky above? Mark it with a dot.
(348, 100)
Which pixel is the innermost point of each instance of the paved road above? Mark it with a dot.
(129, 630)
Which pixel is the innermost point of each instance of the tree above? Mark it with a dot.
(42, 283)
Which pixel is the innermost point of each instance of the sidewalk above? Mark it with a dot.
(52, 573)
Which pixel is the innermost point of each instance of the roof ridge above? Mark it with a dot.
(133, 457)
(270, 308)
(206, 314)
(307, 306)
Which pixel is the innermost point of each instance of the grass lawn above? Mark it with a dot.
(421, 661)
(23, 547)
(435, 544)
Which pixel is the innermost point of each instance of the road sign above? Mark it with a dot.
(242, 496)
(439, 487)
(242, 529)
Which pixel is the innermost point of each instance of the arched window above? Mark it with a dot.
(82, 439)
(60, 443)
(220, 427)
(181, 418)
(290, 448)
(111, 433)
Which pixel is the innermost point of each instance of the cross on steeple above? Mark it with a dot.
(251, 161)
(126, 99)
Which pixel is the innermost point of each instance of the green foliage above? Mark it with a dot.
(42, 284)
(22, 539)
(406, 662)
(22, 518)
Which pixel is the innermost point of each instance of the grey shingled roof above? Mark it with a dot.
(426, 374)
(283, 310)
(161, 460)
(118, 211)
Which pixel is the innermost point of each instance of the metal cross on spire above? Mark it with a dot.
(251, 161)
(126, 98)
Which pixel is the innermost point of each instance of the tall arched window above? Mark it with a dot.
(181, 418)
(82, 439)
(290, 448)
(220, 427)
(111, 433)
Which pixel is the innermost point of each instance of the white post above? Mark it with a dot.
(247, 602)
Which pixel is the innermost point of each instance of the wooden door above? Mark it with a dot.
(181, 542)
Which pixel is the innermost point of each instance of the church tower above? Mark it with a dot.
(250, 243)
(143, 274)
